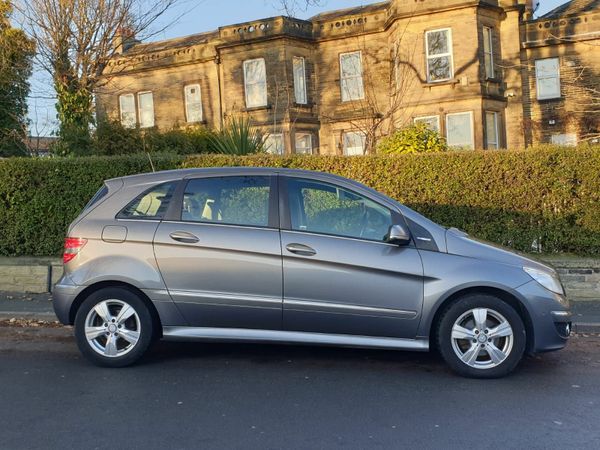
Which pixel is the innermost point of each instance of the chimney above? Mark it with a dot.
(124, 40)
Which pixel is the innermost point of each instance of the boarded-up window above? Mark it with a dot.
(193, 103)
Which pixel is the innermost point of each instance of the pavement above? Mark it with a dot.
(586, 313)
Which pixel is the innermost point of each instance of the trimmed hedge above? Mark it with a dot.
(548, 197)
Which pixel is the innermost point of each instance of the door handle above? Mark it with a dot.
(300, 249)
(184, 236)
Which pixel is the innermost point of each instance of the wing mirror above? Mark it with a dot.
(398, 234)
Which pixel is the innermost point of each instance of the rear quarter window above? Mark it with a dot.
(151, 204)
(97, 197)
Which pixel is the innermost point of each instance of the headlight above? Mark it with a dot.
(548, 280)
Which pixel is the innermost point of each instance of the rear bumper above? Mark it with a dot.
(550, 317)
(63, 295)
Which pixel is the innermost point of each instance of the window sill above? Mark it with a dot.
(303, 105)
(549, 99)
(257, 108)
(450, 82)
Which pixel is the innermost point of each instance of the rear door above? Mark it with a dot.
(220, 256)
(340, 276)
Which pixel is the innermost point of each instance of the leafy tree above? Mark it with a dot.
(16, 55)
(417, 138)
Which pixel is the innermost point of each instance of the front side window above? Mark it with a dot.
(193, 103)
(304, 144)
(351, 76)
(547, 77)
(459, 130)
(150, 205)
(488, 52)
(491, 130)
(432, 122)
(324, 208)
(227, 200)
(255, 83)
(146, 105)
(274, 144)
(354, 143)
(127, 109)
(439, 55)
(300, 80)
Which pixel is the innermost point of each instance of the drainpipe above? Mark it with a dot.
(218, 67)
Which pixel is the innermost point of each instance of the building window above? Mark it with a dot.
(432, 122)
(547, 76)
(146, 109)
(193, 103)
(304, 143)
(354, 143)
(569, 139)
(491, 130)
(351, 76)
(300, 80)
(459, 130)
(255, 83)
(127, 107)
(439, 55)
(274, 144)
(488, 52)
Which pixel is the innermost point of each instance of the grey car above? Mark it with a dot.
(291, 256)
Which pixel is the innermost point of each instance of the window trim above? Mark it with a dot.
(286, 220)
(557, 77)
(488, 35)
(472, 126)
(312, 144)
(175, 215)
(361, 76)
(282, 143)
(496, 128)
(433, 116)
(245, 70)
(139, 94)
(132, 96)
(185, 98)
(304, 84)
(441, 55)
(345, 149)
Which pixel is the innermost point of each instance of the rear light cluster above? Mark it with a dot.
(72, 247)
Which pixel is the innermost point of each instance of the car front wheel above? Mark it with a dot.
(113, 327)
(481, 336)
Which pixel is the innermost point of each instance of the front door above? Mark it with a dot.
(221, 261)
(340, 276)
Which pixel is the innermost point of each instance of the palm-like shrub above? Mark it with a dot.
(238, 137)
(417, 138)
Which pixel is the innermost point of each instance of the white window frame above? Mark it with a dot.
(187, 104)
(144, 125)
(470, 113)
(434, 116)
(345, 93)
(564, 139)
(310, 141)
(555, 76)
(492, 145)
(450, 53)
(346, 134)
(273, 136)
(262, 82)
(134, 122)
(300, 92)
(488, 36)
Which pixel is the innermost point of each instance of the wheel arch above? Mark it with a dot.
(80, 298)
(504, 295)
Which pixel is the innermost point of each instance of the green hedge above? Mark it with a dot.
(549, 196)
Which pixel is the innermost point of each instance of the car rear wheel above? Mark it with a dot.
(113, 327)
(481, 336)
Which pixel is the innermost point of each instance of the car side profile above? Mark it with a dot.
(292, 256)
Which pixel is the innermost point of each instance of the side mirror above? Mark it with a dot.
(398, 235)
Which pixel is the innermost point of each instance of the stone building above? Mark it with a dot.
(483, 73)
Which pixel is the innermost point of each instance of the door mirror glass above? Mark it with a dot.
(398, 235)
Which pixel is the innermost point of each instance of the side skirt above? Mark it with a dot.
(290, 337)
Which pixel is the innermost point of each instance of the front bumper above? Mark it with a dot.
(550, 315)
(63, 295)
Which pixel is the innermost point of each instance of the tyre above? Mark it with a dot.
(113, 327)
(481, 336)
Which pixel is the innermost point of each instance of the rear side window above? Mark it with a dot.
(97, 197)
(228, 200)
(150, 205)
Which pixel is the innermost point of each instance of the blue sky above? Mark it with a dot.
(194, 16)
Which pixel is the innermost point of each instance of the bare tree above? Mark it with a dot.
(292, 7)
(75, 41)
